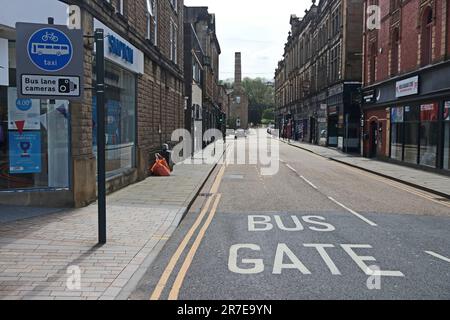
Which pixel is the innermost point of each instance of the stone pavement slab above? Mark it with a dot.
(431, 182)
(43, 257)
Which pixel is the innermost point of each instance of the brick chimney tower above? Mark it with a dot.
(237, 70)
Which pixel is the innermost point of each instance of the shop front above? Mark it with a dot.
(123, 63)
(34, 139)
(407, 121)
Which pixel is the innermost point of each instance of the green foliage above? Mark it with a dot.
(259, 92)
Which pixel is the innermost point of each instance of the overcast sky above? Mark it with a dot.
(257, 28)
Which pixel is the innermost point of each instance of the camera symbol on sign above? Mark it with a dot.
(66, 86)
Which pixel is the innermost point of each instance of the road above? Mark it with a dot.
(315, 230)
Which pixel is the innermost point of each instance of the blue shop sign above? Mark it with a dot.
(120, 49)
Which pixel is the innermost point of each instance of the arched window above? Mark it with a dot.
(427, 37)
(395, 51)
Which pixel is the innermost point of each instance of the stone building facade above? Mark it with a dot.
(204, 25)
(144, 102)
(317, 82)
(406, 89)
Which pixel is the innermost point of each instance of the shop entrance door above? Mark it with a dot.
(373, 139)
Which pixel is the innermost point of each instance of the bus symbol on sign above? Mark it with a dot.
(50, 49)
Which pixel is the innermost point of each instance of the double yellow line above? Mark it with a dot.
(175, 290)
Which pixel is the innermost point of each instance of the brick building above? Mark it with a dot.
(317, 82)
(144, 104)
(239, 99)
(204, 25)
(406, 90)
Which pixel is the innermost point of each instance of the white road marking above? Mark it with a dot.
(309, 182)
(282, 161)
(438, 256)
(291, 168)
(354, 213)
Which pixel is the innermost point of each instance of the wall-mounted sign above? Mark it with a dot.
(50, 86)
(120, 51)
(4, 63)
(23, 114)
(24, 152)
(407, 87)
(447, 110)
(370, 96)
(49, 61)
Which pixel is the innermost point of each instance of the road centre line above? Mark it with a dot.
(397, 185)
(156, 295)
(309, 182)
(174, 293)
(434, 254)
(354, 213)
(291, 168)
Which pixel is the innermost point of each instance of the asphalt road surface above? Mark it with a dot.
(315, 230)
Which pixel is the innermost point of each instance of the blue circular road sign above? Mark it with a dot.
(24, 104)
(50, 49)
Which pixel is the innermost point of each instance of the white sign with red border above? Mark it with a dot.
(407, 87)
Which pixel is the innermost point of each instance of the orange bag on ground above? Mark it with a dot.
(160, 168)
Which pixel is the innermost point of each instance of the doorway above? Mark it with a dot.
(373, 152)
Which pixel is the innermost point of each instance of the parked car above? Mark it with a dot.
(240, 133)
(230, 132)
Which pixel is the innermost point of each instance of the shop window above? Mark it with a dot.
(34, 154)
(397, 119)
(120, 117)
(411, 133)
(429, 133)
(34, 139)
(447, 135)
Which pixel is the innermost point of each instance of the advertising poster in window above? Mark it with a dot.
(397, 115)
(447, 111)
(24, 152)
(429, 112)
(23, 114)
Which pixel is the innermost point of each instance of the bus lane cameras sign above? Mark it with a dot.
(49, 62)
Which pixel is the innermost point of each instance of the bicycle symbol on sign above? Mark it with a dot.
(50, 36)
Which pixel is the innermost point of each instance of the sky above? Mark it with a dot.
(257, 28)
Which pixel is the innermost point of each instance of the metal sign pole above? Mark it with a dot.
(101, 141)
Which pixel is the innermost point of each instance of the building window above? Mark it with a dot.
(395, 51)
(174, 4)
(152, 22)
(427, 37)
(447, 135)
(394, 5)
(173, 41)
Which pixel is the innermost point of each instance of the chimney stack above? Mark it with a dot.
(237, 70)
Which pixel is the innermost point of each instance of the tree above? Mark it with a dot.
(261, 96)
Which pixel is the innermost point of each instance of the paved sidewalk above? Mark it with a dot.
(431, 182)
(35, 253)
